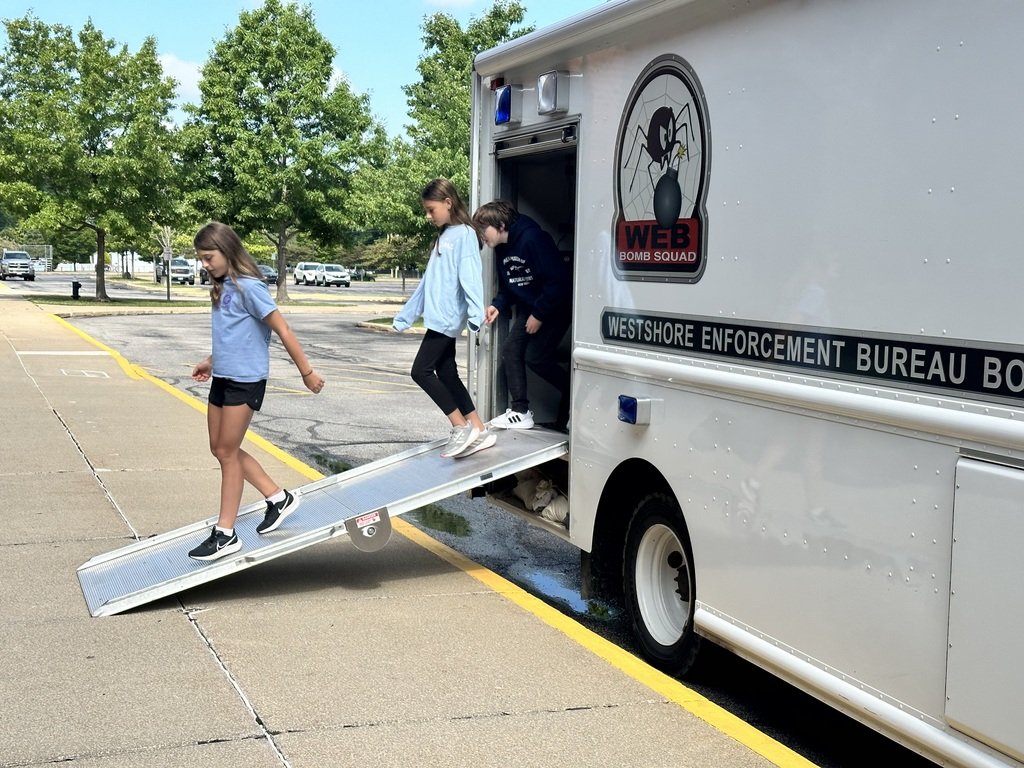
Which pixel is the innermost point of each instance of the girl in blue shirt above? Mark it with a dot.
(243, 317)
(449, 297)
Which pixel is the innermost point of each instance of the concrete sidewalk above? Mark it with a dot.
(326, 657)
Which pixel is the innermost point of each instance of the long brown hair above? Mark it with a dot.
(441, 189)
(220, 237)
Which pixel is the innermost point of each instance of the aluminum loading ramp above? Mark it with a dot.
(359, 502)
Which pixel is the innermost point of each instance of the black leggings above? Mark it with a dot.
(434, 369)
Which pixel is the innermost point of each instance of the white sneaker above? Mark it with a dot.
(483, 440)
(513, 420)
(459, 440)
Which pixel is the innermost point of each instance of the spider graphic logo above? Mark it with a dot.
(661, 176)
(662, 145)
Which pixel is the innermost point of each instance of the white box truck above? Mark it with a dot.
(797, 366)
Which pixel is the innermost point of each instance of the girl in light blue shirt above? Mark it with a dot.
(243, 317)
(448, 298)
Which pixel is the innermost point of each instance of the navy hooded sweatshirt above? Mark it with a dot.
(532, 273)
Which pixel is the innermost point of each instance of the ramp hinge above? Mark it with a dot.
(371, 530)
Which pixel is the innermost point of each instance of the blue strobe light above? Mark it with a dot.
(634, 410)
(508, 105)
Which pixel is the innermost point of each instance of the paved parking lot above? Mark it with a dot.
(327, 657)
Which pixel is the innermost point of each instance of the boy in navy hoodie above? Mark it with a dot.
(535, 293)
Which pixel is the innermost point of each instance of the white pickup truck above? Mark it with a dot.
(17, 264)
(181, 272)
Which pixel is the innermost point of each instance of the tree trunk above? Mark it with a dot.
(282, 263)
(101, 264)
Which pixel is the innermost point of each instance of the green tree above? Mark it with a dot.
(440, 102)
(86, 143)
(395, 251)
(388, 186)
(70, 247)
(273, 144)
(386, 189)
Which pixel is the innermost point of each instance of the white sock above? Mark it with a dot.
(226, 531)
(277, 498)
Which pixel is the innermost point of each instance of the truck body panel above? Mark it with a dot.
(816, 317)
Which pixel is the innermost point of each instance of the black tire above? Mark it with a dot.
(659, 586)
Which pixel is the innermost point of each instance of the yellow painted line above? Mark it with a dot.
(133, 371)
(353, 390)
(668, 687)
(351, 378)
(288, 390)
(138, 372)
(376, 392)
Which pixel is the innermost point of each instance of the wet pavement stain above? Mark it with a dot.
(439, 519)
(331, 465)
(552, 587)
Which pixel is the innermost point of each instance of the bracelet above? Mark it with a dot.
(307, 374)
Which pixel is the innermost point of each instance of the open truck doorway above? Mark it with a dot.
(536, 173)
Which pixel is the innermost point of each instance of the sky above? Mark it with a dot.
(378, 43)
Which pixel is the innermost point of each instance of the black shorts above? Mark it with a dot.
(230, 392)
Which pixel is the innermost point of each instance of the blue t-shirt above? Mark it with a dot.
(241, 340)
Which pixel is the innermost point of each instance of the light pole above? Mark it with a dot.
(167, 268)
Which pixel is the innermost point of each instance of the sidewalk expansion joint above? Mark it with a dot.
(192, 616)
(464, 718)
(78, 446)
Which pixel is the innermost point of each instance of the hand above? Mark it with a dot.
(203, 370)
(314, 382)
(533, 324)
(491, 314)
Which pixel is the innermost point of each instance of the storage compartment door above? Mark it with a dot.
(985, 665)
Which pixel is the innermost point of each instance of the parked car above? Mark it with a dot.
(17, 264)
(305, 272)
(204, 276)
(360, 273)
(269, 274)
(332, 274)
(181, 272)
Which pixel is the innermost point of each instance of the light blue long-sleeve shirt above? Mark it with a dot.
(451, 293)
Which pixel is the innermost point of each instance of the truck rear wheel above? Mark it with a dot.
(658, 581)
